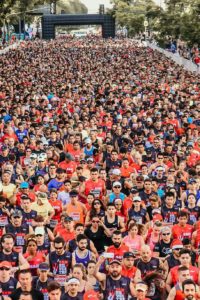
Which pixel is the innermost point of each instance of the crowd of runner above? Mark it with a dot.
(100, 173)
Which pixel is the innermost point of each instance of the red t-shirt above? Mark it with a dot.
(118, 252)
(182, 232)
(194, 273)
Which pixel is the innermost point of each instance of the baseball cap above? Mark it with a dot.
(141, 287)
(39, 230)
(4, 147)
(89, 159)
(42, 196)
(176, 244)
(33, 156)
(139, 178)
(5, 264)
(68, 219)
(117, 183)
(115, 261)
(137, 198)
(24, 185)
(128, 254)
(116, 172)
(192, 180)
(16, 213)
(134, 190)
(41, 159)
(159, 168)
(149, 119)
(43, 266)
(88, 141)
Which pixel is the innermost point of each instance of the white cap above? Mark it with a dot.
(33, 155)
(88, 141)
(137, 198)
(116, 183)
(116, 172)
(39, 230)
(149, 119)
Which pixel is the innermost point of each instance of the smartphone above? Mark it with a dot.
(108, 255)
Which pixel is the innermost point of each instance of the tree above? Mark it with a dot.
(181, 19)
(5, 9)
(132, 14)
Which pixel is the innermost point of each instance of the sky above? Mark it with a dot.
(93, 5)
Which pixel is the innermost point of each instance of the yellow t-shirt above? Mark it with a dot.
(9, 190)
(42, 210)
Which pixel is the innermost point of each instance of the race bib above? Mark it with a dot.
(61, 279)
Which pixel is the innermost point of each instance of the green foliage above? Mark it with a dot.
(133, 13)
(13, 9)
(179, 19)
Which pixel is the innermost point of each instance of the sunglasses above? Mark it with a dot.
(38, 234)
(58, 248)
(4, 269)
(89, 162)
(95, 221)
(166, 234)
(95, 203)
(117, 187)
(17, 217)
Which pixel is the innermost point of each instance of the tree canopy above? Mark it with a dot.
(179, 19)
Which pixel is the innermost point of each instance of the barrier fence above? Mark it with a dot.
(187, 64)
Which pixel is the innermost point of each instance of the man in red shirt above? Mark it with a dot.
(94, 185)
(185, 260)
(67, 232)
(128, 268)
(118, 248)
(182, 229)
(68, 165)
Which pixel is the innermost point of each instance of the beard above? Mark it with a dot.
(7, 250)
(116, 245)
(116, 274)
(82, 248)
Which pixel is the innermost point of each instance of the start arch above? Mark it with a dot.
(50, 21)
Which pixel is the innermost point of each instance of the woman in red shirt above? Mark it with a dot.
(33, 257)
(57, 206)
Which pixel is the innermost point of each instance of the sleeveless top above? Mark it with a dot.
(42, 286)
(8, 287)
(83, 260)
(60, 264)
(19, 233)
(117, 289)
(73, 245)
(113, 225)
(179, 294)
(13, 258)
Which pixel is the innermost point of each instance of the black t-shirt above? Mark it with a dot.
(163, 248)
(67, 297)
(98, 238)
(35, 294)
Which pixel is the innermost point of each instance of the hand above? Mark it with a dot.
(101, 260)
